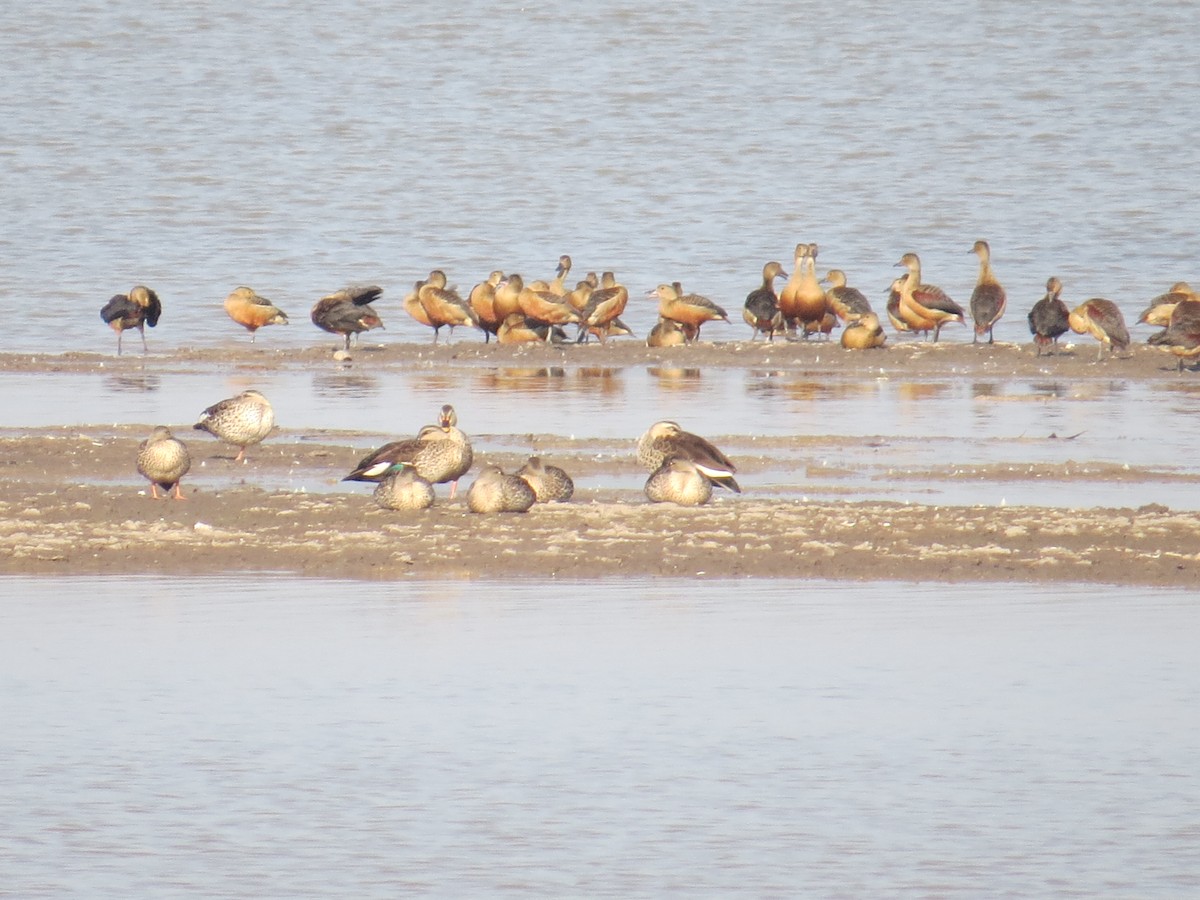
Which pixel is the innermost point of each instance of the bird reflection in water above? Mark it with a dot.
(133, 382)
(676, 378)
(532, 379)
(345, 384)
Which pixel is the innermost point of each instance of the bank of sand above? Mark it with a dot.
(70, 502)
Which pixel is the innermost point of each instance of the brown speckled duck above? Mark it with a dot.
(665, 441)
(550, 483)
(679, 481)
(439, 453)
(137, 309)
(494, 492)
(244, 420)
(163, 460)
(251, 311)
(403, 489)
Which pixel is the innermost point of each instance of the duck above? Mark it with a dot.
(1158, 310)
(137, 309)
(244, 420)
(604, 305)
(439, 453)
(582, 292)
(1102, 319)
(163, 460)
(443, 305)
(541, 305)
(1049, 318)
(863, 333)
(761, 309)
(519, 329)
(1182, 334)
(802, 300)
(550, 483)
(665, 440)
(494, 492)
(846, 302)
(668, 333)
(508, 296)
(689, 310)
(679, 481)
(251, 311)
(412, 305)
(558, 285)
(893, 307)
(348, 311)
(403, 489)
(925, 307)
(988, 300)
(482, 300)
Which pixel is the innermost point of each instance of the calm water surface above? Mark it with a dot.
(202, 146)
(271, 737)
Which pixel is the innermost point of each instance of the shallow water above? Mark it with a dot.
(216, 144)
(239, 737)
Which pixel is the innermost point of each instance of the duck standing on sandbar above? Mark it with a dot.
(163, 460)
(137, 309)
(664, 441)
(244, 420)
(348, 311)
(1049, 319)
(988, 300)
(251, 311)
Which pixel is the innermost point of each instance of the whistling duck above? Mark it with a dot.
(1158, 311)
(348, 311)
(863, 333)
(251, 311)
(1182, 334)
(690, 310)
(412, 305)
(893, 307)
(558, 285)
(162, 459)
(604, 305)
(1049, 318)
(137, 309)
(925, 307)
(439, 453)
(664, 441)
(494, 492)
(1101, 319)
(579, 297)
(846, 302)
(544, 306)
(679, 481)
(761, 309)
(669, 333)
(443, 305)
(550, 483)
(508, 296)
(403, 489)
(988, 300)
(243, 421)
(482, 299)
(802, 300)
(518, 329)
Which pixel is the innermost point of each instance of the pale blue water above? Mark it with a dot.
(199, 147)
(170, 737)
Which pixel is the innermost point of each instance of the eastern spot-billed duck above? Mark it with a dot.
(163, 460)
(550, 483)
(439, 453)
(403, 489)
(494, 492)
(243, 421)
(664, 441)
(679, 481)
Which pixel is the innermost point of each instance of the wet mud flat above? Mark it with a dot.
(57, 516)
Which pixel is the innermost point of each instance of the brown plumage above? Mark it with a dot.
(550, 484)
(761, 309)
(439, 453)
(137, 309)
(925, 307)
(679, 481)
(494, 492)
(988, 300)
(1182, 334)
(163, 460)
(863, 333)
(542, 305)
(1049, 318)
(604, 305)
(893, 307)
(668, 333)
(244, 420)
(1158, 310)
(802, 300)
(846, 302)
(251, 311)
(443, 305)
(348, 311)
(665, 441)
(558, 285)
(688, 310)
(482, 300)
(1101, 319)
(403, 489)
